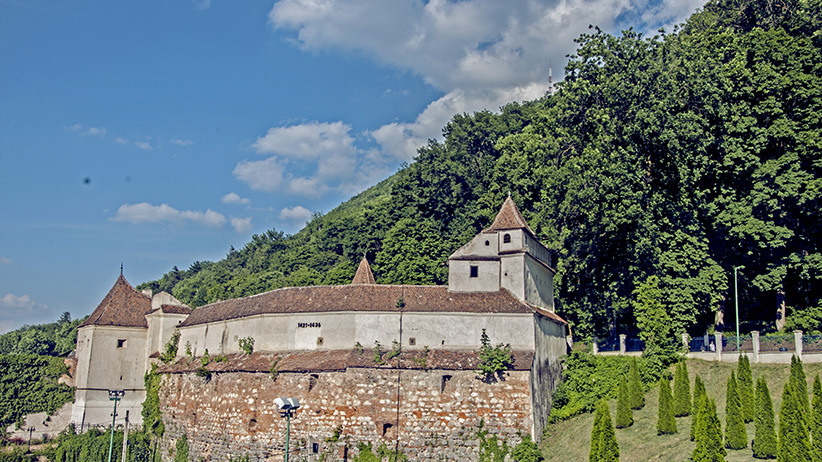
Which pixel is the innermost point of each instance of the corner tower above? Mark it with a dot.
(505, 255)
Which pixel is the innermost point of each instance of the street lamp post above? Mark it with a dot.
(736, 301)
(287, 407)
(113, 395)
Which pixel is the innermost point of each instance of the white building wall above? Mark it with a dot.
(102, 365)
(343, 330)
(539, 284)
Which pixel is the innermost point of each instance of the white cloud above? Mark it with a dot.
(262, 175)
(147, 213)
(18, 305)
(241, 225)
(325, 154)
(311, 140)
(93, 131)
(144, 145)
(234, 198)
(180, 142)
(481, 53)
(120, 140)
(297, 215)
(5, 261)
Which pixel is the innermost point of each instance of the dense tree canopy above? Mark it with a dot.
(674, 157)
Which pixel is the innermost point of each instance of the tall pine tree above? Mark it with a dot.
(699, 395)
(682, 390)
(635, 386)
(666, 422)
(746, 388)
(736, 437)
(764, 443)
(624, 414)
(708, 433)
(794, 444)
(816, 421)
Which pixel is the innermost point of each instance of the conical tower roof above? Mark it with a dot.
(364, 274)
(509, 218)
(122, 306)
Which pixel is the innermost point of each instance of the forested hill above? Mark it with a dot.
(678, 156)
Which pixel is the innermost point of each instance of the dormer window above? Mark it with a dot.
(474, 271)
(506, 238)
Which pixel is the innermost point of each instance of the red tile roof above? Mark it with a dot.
(364, 274)
(361, 297)
(340, 360)
(509, 218)
(123, 306)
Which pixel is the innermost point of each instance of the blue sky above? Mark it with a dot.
(158, 133)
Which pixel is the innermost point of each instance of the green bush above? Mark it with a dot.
(665, 422)
(526, 451)
(624, 414)
(709, 446)
(699, 395)
(635, 387)
(816, 421)
(736, 436)
(28, 384)
(604, 447)
(794, 442)
(493, 361)
(746, 389)
(682, 390)
(764, 443)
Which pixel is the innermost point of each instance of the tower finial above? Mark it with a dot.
(121, 268)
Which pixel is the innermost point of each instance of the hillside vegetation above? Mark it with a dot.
(570, 440)
(678, 156)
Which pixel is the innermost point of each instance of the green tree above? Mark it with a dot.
(494, 361)
(682, 390)
(736, 436)
(800, 384)
(816, 421)
(764, 443)
(709, 446)
(624, 414)
(699, 394)
(666, 422)
(793, 444)
(745, 387)
(604, 446)
(635, 387)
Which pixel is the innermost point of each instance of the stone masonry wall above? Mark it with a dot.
(233, 415)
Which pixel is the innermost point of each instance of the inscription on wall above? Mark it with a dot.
(308, 324)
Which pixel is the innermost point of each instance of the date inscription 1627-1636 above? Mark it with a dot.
(308, 324)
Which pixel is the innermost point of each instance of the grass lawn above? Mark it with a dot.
(571, 440)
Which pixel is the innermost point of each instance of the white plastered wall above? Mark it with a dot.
(102, 365)
(343, 330)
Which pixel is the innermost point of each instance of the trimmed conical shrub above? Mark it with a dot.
(699, 395)
(816, 421)
(604, 447)
(736, 437)
(708, 433)
(624, 414)
(635, 386)
(764, 443)
(746, 389)
(682, 390)
(794, 444)
(665, 422)
(801, 385)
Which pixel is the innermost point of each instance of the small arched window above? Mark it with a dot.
(506, 238)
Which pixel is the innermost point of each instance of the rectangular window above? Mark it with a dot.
(412, 341)
(121, 343)
(474, 271)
